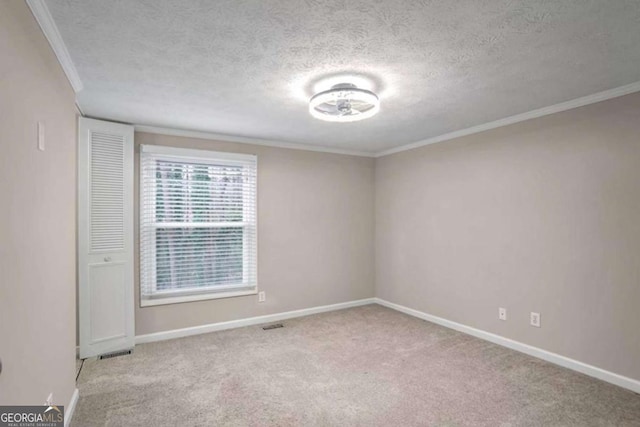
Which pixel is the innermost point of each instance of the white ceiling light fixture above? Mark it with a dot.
(344, 103)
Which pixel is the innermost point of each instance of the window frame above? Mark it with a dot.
(176, 154)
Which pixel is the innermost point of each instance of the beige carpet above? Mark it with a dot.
(366, 366)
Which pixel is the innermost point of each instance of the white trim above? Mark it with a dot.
(149, 302)
(247, 163)
(247, 140)
(69, 410)
(590, 370)
(221, 326)
(545, 111)
(189, 153)
(50, 30)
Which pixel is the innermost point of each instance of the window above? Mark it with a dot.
(198, 231)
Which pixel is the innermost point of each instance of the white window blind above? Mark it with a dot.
(198, 231)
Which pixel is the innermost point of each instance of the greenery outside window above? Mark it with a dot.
(198, 231)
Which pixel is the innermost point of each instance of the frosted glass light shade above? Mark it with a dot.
(344, 103)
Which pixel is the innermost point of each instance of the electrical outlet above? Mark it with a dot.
(49, 401)
(535, 319)
(262, 296)
(502, 313)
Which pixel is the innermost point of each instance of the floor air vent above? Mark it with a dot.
(114, 354)
(274, 326)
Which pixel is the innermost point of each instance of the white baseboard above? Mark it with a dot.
(69, 410)
(592, 371)
(212, 327)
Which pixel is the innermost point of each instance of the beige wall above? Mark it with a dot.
(539, 216)
(315, 235)
(37, 216)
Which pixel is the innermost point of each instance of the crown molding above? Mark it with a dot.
(246, 140)
(545, 111)
(45, 20)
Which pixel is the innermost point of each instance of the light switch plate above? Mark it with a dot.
(41, 136)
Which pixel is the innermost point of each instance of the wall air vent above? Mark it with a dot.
(114, 354)
(274, 326)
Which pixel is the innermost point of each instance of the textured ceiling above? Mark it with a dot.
(248, 67)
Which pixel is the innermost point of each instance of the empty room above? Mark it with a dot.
(319, 213)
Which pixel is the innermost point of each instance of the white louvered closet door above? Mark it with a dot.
(105, 237)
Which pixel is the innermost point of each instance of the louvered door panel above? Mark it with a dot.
(105, 237)
(107, 191)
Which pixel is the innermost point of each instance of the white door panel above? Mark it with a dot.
(107, 301)
(105, 237)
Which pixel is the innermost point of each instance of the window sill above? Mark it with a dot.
(197, 297)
